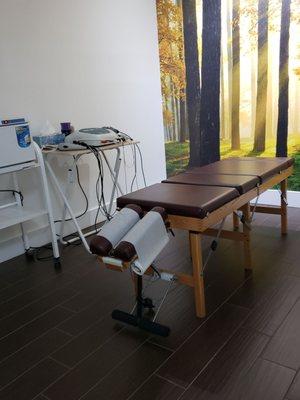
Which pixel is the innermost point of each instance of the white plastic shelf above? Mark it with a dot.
(14, 215)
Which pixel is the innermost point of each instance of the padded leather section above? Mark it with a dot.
(285, 162)
(243, 183)
(185, 200)
(263, 168)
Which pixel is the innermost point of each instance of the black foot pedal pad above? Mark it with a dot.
(142, 323)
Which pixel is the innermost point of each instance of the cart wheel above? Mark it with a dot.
(30, 254)
(57, 263)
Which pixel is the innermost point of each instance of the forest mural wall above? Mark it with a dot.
(230, 73)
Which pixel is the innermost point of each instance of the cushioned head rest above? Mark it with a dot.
(126, 251)
(243, 183)
(263, 168)
(101, 245)
(136, 208)
(185, 200)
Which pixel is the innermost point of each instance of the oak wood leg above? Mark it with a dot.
(134, 281)
(196, 253)
(246, 233)
(283, 211)
(236, 222)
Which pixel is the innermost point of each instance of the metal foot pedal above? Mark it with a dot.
(137, 319)
(142, 323)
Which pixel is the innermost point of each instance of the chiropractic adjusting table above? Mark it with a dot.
(199, 199)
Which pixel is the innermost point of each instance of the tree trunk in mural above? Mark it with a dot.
(262, 77)
(235, 128)
(229, 71)
(222, 109)
(210, 79)
(283, 103)
(183, 121)
(192, 77)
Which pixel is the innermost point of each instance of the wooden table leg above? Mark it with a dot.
(246, 233)
(134, 281)
(283, 212)
(236, 222)
(196, 253)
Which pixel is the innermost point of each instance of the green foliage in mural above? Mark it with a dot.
(177, 155)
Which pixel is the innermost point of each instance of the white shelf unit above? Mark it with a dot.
(15, 213)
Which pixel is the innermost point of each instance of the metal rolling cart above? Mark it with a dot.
(64, 191)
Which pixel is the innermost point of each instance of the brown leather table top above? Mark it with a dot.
(201, 190)
(284, 161)
(243, 183)
(185, 200)
(263, 168)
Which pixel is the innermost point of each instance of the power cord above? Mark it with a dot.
(118, 132)
(100, 180)
(84, 195)
(13, 191)
(142, 163)
(135, 170)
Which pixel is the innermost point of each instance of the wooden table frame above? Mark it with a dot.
(198, 227)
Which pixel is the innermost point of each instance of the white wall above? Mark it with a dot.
(93, 62)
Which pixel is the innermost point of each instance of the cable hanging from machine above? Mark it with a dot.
(13, 191)
(99, 184)
(214, 245)
(84, 195)
(136, 146)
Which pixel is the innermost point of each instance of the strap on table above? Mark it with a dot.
(214, 245)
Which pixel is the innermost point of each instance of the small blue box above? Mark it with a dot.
(49, 139)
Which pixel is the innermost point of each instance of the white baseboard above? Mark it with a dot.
(11, 244)
(272, 197)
